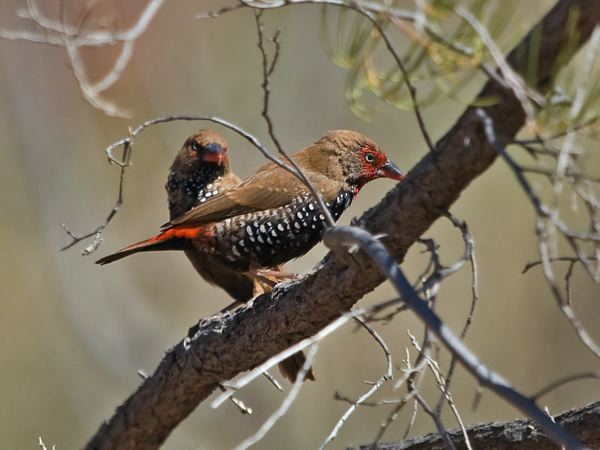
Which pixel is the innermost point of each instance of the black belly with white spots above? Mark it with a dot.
(269, 238)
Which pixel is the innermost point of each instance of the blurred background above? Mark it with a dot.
(73, 334)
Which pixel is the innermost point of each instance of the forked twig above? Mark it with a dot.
(343, 236)
(267, 70)
(127, 144)
(374, 388)
(285, 405)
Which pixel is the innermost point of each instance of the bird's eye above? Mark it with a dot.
(370, 158)
(196, 147)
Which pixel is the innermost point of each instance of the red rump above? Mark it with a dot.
(175, 238)
(181, 232)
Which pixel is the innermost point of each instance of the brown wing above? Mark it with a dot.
(269, 188)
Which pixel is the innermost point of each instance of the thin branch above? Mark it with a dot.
(569, 259)
(274, 360)
(240, 405)
(343, 398)
(267, 70)
(342, 236)
(73, 38)
(470, 255)
(443, 386)
(285, 405)
(374, 388)
(273, 381)
(369, 10)
(562, 381)
(394, 415)
(411, 89)
(436, 420)
(516, 435)
(43, 446)
(125, 160)
(543, 214)
(97, 232)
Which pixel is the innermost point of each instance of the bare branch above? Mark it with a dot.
(97, 233)
(273, 381)
(341, 236)
(444, 388)
(564, 380)
(570, 259)
(267, 70)
(412, 378)
(515, 435)
(273, 361)
(374, 388)
(285, 405)
(369, 10)
(240, 405)
(544, 215)
(470, 255)
(73, 38)
(436, 420)
(42, 445)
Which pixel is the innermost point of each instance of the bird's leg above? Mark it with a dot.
(276, 273)
(266, 279)
(261, 286)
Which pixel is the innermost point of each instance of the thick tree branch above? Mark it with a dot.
(221, 347)
(516, 435)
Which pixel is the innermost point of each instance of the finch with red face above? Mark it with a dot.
(269, 218)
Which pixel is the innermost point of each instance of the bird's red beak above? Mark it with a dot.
(213, 153)
(390, 170)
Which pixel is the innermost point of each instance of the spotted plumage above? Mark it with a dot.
(271, 237)
(199, 172)
(193, 189)
(270, 217)
(265, 220)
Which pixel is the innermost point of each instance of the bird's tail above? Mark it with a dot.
(170, 239)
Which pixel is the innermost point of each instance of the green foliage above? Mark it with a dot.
(574, 101)
(441, 55)
(442, 52)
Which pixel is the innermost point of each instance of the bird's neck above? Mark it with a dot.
(341, 202)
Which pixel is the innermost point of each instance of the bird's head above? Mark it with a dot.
(204, 147)
(360, 159)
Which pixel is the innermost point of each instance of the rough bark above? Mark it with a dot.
(223, 346)
(516, 435)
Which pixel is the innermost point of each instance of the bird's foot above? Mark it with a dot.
(266, 279)
(262, 285)
(276, 274)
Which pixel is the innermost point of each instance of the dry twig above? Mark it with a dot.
(74, 37)
(342, 236)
